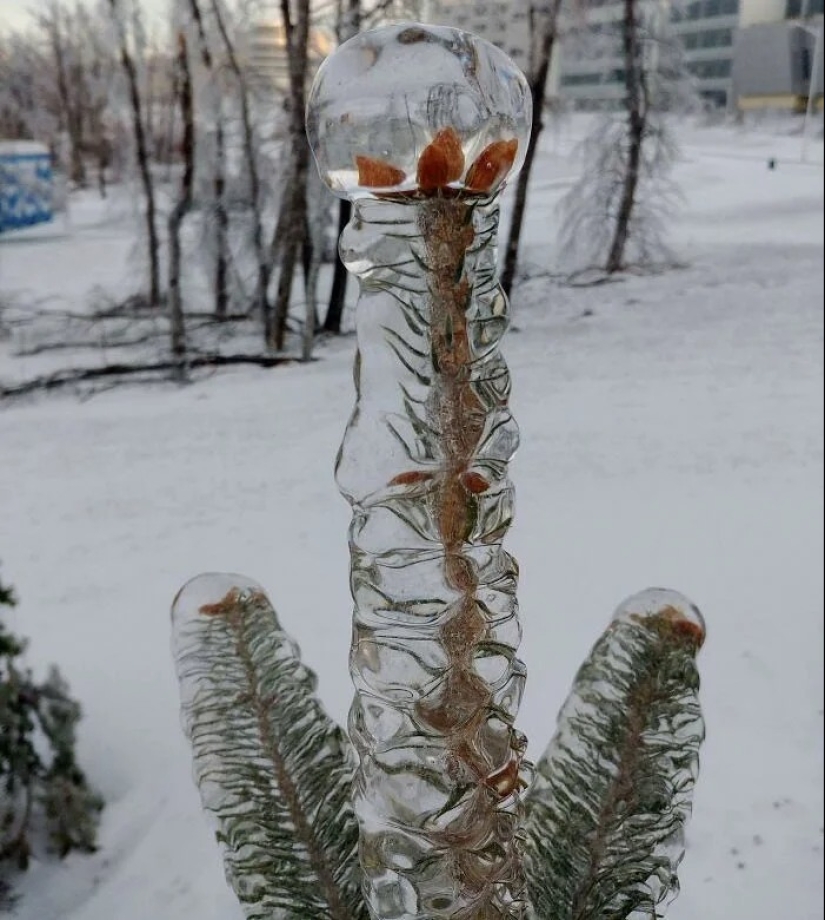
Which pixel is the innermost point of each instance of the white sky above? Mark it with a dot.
(17, 14)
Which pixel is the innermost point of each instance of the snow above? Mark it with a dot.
(672, 435)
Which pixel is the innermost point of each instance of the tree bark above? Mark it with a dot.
(349, 25)
(636, 122)
(71, 114)
(181, 208)
(264, 263)
(221, 223)
(338, 293)
(142, 149)
(82, 375)
(538, 92)
(221, 274)
(295, 204)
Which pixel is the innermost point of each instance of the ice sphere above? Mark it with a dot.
(412, 107)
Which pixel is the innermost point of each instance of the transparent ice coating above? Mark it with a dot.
(385, 94)
(424, 465)
(606, 814)
(673, 608)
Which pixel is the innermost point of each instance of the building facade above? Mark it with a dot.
(504, 23)
(736, 53)
(592, 70)
(778, 58)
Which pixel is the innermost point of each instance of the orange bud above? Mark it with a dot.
(475, 483)
(223, 607)
(689, 631)
(410, 478)
(374, 173)
(505, 780)
(491, 166)
(441, 162)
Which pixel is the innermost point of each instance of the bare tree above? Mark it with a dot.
(142, 151)
(56, 24)
(636, 105)
(543, 28)
(348, 25)
(614, 215)
(182, 207)
(219, 209)
(99, 68)
(29, 106)
(293, 218)
(263, 260)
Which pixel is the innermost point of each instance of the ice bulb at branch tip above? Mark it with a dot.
(667, 608)
(423, 110)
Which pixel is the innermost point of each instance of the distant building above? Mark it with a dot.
(750, 53)
(592, 68)
(776, 53)
(504, 23)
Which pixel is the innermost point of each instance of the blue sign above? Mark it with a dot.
(25, 185)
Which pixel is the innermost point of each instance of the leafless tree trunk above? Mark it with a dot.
(221, 222)
(181, 208)
(338, 292)
(262, 258)
(636, 107)
(142, 150)
(219, 178)
(53, 22)
(349, 24)
(295, 200)
(311, 294)
(540, 70)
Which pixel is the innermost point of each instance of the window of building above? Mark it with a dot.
(715, 98)
(581, 79)
(798, 9)
(805, 63)
(710, 70)
(716, 38)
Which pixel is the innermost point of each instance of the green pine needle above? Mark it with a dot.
(274, 771)
(604, 833)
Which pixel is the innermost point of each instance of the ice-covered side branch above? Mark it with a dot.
(273, 771)
(607, 812)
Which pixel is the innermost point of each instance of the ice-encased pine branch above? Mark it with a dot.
(274, 772)
(606, 814)
(424, 465)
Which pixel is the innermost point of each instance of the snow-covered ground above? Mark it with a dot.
(672, 435)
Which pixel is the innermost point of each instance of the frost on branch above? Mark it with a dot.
(607, 812)
(274, 771)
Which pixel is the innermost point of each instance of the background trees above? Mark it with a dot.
(211, 140)
(46, 802)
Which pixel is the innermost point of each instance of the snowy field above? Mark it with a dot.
(672, 435)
